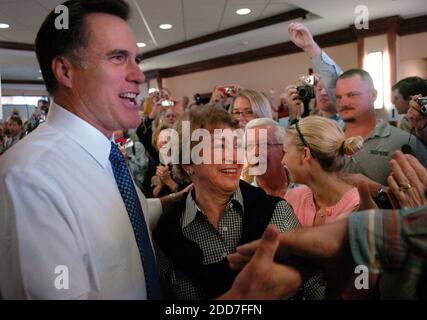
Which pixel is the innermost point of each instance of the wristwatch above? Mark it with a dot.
(382, 200)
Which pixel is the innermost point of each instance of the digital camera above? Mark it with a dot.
(306, 92)
(168, 103)
(229, 91)
(422, 102)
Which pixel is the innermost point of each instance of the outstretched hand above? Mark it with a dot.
(301, 36)
(408, 180)
(262, 278)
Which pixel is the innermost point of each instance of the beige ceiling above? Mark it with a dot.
(191, 19)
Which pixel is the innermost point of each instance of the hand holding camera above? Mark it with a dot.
(417, 113)
(295, 105)
(222, 93)
(168, 103)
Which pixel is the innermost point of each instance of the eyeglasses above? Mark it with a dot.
(251, 146)
(244, 113)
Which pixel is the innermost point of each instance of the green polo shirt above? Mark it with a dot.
(378, 148)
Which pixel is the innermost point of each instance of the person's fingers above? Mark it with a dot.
(238, 261)
(268, 244)
(398, 193)
(402, 171)
(188, 188)
(398, 168)
(419, 169)
(366, 201)
(248, 249)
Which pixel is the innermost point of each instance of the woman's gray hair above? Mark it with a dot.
(260, 105)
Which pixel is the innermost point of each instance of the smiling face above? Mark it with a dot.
(242, 111)
(293, 160)
(103, 91)
(221, 178)
(271, 168)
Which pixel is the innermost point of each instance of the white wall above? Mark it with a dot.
(410, 68)
(262, 75)
(413, 56)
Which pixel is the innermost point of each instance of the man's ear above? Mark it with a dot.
(374, 94)
(62, 69)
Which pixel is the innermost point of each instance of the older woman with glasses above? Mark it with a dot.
(250, 104)
(194, 237)
(314, 152)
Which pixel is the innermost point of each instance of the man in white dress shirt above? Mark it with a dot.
(64, 229)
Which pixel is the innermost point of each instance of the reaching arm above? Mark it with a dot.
(329, 71)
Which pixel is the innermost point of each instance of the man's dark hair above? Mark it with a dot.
(411, 86)
(17, 120)
(366, 77)
(52, 42)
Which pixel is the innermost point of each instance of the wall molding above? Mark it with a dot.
(17, 46)
(385, 25)
(334, 38)
(282, 17)
(9, 81)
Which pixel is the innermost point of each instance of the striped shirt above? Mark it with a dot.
(391, 242)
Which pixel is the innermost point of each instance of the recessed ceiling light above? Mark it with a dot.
(4, 26)
(243, 11)
(141, 44)
(165, 26)
(39, 78)
(40, 71)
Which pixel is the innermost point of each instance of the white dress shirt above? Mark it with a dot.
(60, 206)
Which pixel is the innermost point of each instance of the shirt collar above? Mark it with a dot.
(382, 130)
(83, 133)
(191, 208)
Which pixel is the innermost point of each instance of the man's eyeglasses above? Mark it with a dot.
(251, 146)
(244, 113)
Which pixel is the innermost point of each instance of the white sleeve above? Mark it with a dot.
(38, 235)
(155, 210)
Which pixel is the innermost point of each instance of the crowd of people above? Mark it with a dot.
(91, 185)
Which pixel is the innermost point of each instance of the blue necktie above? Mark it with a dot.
(136, 216)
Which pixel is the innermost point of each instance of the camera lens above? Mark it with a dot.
(305, 92)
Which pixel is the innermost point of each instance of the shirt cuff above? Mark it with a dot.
(375, 240)
(363, 237)
(324, 62)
